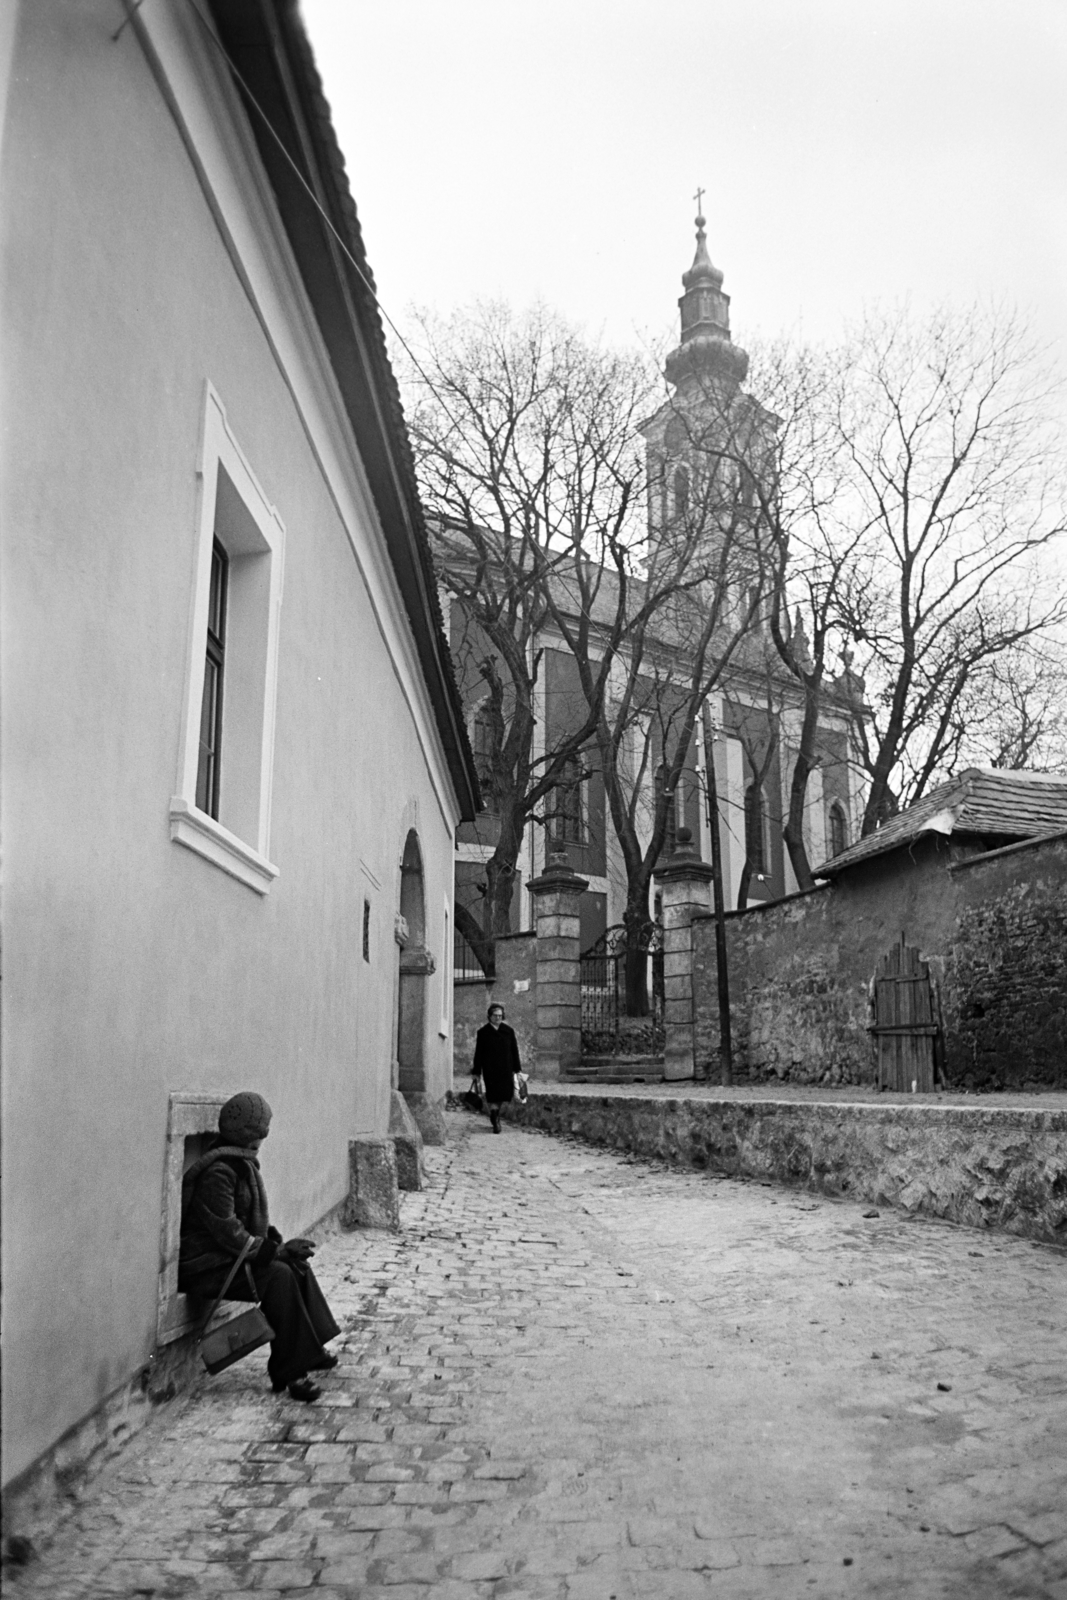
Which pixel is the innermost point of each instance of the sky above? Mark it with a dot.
(851, 151)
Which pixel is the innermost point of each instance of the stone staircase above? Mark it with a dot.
(617, 1069)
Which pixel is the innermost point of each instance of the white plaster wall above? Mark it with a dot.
(132, 966)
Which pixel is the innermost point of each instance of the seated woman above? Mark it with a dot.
(224, 1204)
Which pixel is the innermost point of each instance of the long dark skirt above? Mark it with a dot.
(499, 1085)
(296, 1309)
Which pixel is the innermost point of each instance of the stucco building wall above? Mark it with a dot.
(133, 967)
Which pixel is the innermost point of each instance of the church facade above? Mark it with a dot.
(749, 728)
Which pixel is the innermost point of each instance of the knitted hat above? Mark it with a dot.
(244, 1117)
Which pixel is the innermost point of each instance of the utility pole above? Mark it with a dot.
(711, 790)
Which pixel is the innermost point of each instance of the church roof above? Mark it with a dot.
(985, 802)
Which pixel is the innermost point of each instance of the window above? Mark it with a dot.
(681, 491)
(366, 930)
(207, 773)
(838, 829)
(567, 808)
(222, 807)
(482, 741)
(755, 848)
(193, 1119)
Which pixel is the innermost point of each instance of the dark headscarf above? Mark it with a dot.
(244, 1117)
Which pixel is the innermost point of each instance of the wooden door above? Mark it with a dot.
(904, 1028)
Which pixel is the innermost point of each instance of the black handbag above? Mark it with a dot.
(472, 1098)
(242, 1334)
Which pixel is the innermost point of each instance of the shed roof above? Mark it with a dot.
(988, 802)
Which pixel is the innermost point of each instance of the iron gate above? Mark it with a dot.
(606, 1028)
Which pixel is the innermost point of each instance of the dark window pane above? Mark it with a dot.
(208, 766)
(754, 848)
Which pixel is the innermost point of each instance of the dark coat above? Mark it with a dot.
(496, 1061)
(224, 1204)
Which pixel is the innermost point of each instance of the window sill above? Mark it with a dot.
(200, 833)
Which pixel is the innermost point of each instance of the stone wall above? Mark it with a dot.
(992, 927)
(982, 1166)
(1005, 991)
(515, 967)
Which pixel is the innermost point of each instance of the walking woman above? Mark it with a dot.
(224, 1205)
(496, 1061)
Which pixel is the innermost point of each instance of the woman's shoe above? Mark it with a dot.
(329, 1360)
(304, 1389)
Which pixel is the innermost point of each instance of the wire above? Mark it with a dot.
(313, 197)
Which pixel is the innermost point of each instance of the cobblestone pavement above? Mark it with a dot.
(577, 1377)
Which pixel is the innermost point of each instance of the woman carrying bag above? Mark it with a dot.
(225, 1223)
(496, 1062)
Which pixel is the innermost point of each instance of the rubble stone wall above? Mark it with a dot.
(993, 928)
(1005, 990)
(985, 1167)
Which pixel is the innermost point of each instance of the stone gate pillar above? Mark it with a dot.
(685, 884)
(559, 991)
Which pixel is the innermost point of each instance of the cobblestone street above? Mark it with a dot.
(575, 1377)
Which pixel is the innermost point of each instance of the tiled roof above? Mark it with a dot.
(985, 801)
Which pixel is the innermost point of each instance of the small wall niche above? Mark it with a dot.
(192, 1119)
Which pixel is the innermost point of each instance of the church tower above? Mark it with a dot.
(706, 354)
(706, 414)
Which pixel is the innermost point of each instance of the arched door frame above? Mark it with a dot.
(415, 964)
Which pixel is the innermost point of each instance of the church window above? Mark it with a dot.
(755, 829)
(482, 742)
(838, 829)
(681, 491)
(567, 808)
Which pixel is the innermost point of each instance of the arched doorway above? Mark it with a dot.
(416, 964)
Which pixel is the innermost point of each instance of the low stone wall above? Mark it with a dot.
(986, 1168)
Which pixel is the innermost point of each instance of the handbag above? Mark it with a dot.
(522, 1093)
(241, 1335)
(472, 1097)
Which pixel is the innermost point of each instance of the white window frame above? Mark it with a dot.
(251, 672)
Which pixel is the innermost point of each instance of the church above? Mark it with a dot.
(747, 734)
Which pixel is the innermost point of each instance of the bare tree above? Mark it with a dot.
(525, 441)
(703, 593)
(954, 481)
(1014, 714)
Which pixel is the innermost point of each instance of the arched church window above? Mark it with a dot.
(838, 829)
(482, 744)
(681, 491)
(755, 829)
(568, 804)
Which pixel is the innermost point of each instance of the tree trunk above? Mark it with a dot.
(638, 936)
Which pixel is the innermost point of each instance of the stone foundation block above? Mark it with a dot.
(407, 1143)
(373, 1201)
(429, 1117)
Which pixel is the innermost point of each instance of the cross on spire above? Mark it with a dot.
(699, 198)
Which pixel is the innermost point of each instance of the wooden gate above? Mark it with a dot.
(904, 1027)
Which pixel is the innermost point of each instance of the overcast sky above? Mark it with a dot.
(851, 150)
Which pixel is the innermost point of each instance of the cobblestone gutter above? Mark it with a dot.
(996, 1168)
